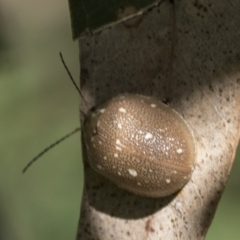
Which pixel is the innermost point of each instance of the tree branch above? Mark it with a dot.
(201, 80)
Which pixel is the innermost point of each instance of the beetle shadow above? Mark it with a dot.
(106, 197)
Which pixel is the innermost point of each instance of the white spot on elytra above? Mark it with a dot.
(132, 172)
(150, 170)
(102, 110)
(99, 167)
(118, 142)
(168, 180)
(119, 125)
(100, 142)
(121, 109)
(137, 160)
(174, 171)
(148, 136)
(139, 184)
(118, 148)
(98, 123)
(153, 105)
(115, 155)
(105, 157)
(179, 150)
(114, 166)
(119, 173)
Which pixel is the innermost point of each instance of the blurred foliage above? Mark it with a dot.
(226, 221)
(38, 104)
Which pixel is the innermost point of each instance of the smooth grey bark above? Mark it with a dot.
(199, 76)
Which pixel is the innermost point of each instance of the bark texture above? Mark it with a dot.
(199, 76)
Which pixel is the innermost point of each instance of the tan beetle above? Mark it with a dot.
(140, 144)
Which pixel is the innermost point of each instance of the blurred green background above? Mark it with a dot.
(38, 104)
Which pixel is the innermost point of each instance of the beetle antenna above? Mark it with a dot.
(70, 75)
(50, 147)
(73, 81)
